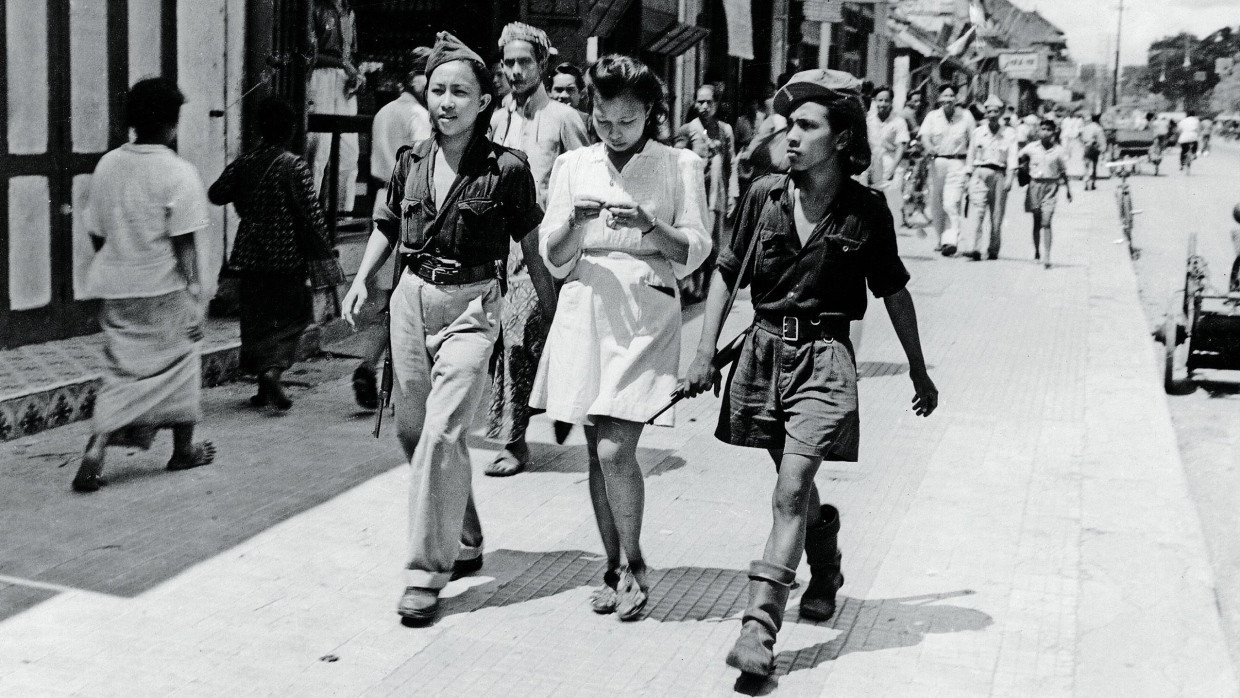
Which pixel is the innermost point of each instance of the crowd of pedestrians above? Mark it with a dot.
(537, 244)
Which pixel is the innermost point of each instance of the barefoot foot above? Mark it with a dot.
(200, 454)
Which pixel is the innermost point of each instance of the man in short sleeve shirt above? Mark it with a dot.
(819, 238)
(945, 133)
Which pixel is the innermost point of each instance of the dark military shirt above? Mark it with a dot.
(497, 202)
(854, 245)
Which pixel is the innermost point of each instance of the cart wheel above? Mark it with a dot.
(1171, 329)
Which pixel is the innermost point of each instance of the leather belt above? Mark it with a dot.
(798, 330)
(996, 168)
(951, 157)
(448, 273)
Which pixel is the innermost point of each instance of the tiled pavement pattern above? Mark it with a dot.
(1032, 538)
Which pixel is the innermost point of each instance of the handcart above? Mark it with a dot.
(1202, 331)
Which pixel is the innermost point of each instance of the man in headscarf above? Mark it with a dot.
(531, 122)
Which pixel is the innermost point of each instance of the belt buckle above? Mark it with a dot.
(434, 275)
(791, 329)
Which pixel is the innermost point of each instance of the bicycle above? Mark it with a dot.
(1123, 196)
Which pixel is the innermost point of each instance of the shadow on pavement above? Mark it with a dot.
(680, 594)
(550, 458)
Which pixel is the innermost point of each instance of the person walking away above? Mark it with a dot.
(281, 233)
(529, 121)
(333, 87)
(453, 204)
(1189, 132)
(893, 139)
(1048, 167)
(625, 219)
(945, 134)
(1207, 130)
(1095, 139)
(714, 142)
(399, 123)
(145, 209)
(991, 165)
(793, 390)
(1070, 130)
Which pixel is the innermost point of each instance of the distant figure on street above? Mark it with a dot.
(1070, 128)
(911, 112)
(793, 390)
(1207, 130)
(400, 123)
(1048, 168)
(529, 121)
(281, 233)
(145, 208)
(454, 202)
(891, 140)
(1095, 139)
(568, 86)
(625, 219)
(1189, 132)
(714, 142)
(334, 84)
(767, 151)
(992, 167)
(945, 133)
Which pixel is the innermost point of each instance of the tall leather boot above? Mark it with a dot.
(823, 552)
(754, 651)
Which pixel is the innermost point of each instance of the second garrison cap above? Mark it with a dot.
(448, 48)
(820, 83)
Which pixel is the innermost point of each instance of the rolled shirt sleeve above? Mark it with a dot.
(186, 209)
(387, 214)
(885, 272)
(691, 212)
(559, 215)
(523, 213)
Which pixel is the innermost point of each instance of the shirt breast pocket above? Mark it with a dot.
(412, 222)
(482, 220)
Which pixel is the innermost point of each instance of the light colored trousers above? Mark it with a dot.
(326, 95)
(947, 184)
(986, 194)
(442, 339)
(891, 190)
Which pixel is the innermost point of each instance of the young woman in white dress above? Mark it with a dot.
(625, 220)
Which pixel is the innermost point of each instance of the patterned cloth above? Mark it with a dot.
(272, 191)
(275, 310)
(524, 334)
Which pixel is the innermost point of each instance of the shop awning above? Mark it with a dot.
(675, 39)
(601, 16)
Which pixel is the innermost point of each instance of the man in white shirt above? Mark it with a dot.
(530, 121)
(1190, 132)
(1095, 139)
(946, 133)
(992, 163)
(889, 139)
(399, 123)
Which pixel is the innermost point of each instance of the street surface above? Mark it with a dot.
(1207, 419)
(1034, 537)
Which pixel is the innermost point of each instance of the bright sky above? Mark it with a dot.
(1090, 24)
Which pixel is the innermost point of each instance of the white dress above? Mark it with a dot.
(614, 346)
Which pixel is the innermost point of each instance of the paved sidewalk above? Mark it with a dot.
(1033, 538)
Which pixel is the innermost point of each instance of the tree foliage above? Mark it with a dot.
(1176, 78)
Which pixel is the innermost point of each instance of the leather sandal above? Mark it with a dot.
(630, 597)
(603, 599)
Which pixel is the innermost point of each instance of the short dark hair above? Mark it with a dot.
(614, 74)
(1051, 123)
(567, 68)
(153, 104)
(881, 89)
(275, 121)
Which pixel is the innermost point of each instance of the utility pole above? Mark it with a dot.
(1119, 32)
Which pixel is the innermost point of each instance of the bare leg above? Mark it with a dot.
(1046, 240)
(616, 446)
(790, 507)
(1037, 235)
(607, 530)
(814, 514)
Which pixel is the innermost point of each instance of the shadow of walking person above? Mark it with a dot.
(868, 625)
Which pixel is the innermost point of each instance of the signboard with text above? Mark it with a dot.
(1026, 65)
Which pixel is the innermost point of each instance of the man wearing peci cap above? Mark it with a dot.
(823, 239)
(991, 166)
(945, 133)
(527, 120)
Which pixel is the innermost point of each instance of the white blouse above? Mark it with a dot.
(666, 182)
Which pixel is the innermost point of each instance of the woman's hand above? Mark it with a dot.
(629, 215)
(701, 376)
(353, 302)
(586, 208)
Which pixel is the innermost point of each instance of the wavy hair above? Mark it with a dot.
(846, 117)
(615, 74)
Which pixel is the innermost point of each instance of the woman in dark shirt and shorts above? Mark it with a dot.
(822, 238)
